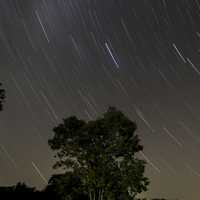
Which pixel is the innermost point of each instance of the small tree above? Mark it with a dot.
(102, 153)
(2, 97)
(23, 188)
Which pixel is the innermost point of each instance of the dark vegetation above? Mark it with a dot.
(2, 97)
(98, 158)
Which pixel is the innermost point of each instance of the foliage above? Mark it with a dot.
(102, 153)
(66, 187)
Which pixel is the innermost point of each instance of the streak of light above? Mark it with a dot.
(39, 172)
(173, 137)
(44, 31)
(179, 53)
(193, 66)
(150, 162)
(111, 54)
(141, 116)
(49, 105)
(8, 156)
(192, 170)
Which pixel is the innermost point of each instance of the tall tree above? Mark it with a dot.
(2, 97)
(102, 153)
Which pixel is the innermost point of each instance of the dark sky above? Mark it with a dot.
(76, 57)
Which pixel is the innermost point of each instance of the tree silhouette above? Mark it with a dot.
(66, 186)
(102, 154)
(23, 188)
(2, 97)
(20, 191)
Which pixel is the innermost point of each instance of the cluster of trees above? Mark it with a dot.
(98, 158)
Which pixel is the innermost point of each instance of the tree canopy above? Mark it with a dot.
(102, 153)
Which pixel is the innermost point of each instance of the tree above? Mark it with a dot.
(23, 188)
(66, 187)
(102, 153)
(2, 97)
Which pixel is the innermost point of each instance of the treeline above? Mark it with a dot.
(62, 191)
(50, 192)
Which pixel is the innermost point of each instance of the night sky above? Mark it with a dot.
(76, 57)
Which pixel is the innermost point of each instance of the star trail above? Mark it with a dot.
(71, 57)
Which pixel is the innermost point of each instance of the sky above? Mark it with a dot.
(70, 57)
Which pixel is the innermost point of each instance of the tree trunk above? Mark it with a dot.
(90, 195)
(100, 194)
(96, 194)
